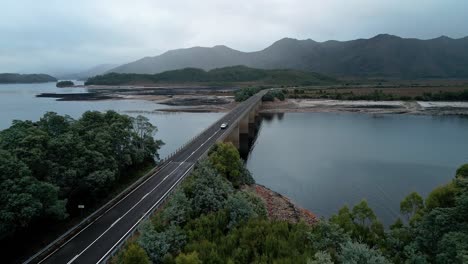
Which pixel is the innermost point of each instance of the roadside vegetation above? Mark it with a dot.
(211, 218)
(49, 167)
(221, 76)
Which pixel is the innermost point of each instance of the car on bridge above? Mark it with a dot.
(224, 125)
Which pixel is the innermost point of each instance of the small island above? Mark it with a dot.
(25, 78)
(62, 84)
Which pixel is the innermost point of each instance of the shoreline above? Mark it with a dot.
(369, 107)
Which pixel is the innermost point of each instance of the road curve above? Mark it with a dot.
(95, 242)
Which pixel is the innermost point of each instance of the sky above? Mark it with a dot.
(69, 36)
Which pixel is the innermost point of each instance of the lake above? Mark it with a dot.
(19, 101)
(323, 161)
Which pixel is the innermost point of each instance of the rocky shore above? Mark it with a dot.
(280, 207)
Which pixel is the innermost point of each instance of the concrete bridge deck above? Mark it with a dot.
(96, 241)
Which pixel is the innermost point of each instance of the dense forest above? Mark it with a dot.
(211, 219)
(25, 78)
(50, 166)
(228, 75)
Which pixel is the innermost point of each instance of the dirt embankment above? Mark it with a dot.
(281, 208)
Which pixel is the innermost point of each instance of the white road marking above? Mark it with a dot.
(73, 259)
(118, 219)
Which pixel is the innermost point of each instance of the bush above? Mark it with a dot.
(357, 253)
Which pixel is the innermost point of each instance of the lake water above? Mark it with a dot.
(325, 160)
(19, 101)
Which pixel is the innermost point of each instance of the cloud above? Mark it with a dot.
(59, 36)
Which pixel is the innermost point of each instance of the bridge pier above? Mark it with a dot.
(242, 133)
(233, 136)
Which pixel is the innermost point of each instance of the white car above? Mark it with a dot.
(224, 125)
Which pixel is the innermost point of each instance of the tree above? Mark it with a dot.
(191, 258)
(442, 196)
(321, 257)
(462, 172)
(226, 160)
(344, 219)
(158, 244)
(178, 209)
(240, 210)
(356, 253)
(363, 214)
(411, 205)
(134, 254)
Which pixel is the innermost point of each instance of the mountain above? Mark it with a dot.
(381, 56)
(228, 75)
(25, 78)
(96, 70)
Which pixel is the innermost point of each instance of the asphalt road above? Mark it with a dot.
(95, 242)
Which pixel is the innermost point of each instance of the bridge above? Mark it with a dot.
(100, 235)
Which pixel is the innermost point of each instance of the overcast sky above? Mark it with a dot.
(58, 36)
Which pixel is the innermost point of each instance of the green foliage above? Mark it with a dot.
(49, 166)
(207, 190)
(357, 253)
(64, 84)
(442, 196)
(412, 205)
(361, 223)
(380, 95)
(240, 209)
(321, 258)
(327, 236)
(226, 160)
(272, 94)
(462, 172)
(25, 78)
(226, 75)
(135, 254)
(190, 258)
(245, 93)
(158, 244)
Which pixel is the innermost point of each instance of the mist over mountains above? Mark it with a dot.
(381, 56)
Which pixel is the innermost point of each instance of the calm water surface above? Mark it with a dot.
(18, 101)
(325, 160)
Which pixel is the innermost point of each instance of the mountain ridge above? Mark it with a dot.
(383, 55)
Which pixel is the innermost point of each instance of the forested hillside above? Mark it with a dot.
(228, 75)
(25, 78)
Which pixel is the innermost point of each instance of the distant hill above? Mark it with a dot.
(25, 78)
(380, 56)
(96, 70)
(234, 74)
